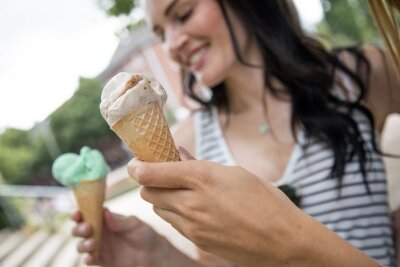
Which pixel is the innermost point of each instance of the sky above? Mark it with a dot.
(46, 45)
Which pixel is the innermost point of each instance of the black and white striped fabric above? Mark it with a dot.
(360, 218)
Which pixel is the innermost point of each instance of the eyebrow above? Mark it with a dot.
(170, 7)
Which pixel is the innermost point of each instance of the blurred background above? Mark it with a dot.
(56, 56)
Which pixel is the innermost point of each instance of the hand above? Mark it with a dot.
(227, 211)
(126, 241)
(214, 206)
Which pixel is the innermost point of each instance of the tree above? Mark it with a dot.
(125, 9)
(347, 22)
(22, 155)
(117, 7)
(78, 121)
(16, 155)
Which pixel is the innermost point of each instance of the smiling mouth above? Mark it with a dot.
(197, 60)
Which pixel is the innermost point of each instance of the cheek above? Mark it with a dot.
(209, 20)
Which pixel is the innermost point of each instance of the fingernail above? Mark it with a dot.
(87, 244)
(133, 169)
(184, 154)
(82, 228)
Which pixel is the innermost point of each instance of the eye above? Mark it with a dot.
(185, 16)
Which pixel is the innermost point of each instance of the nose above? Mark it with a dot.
(175, 41)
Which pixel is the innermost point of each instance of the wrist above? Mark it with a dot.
(294, 244)
(303, 245)
(315, 245)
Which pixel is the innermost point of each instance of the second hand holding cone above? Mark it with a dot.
(132, 106)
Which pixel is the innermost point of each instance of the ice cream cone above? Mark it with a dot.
(90, 196)
(147, 134)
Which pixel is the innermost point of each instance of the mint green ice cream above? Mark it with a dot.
(70, 168)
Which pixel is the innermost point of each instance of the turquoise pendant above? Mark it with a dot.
(264, 128)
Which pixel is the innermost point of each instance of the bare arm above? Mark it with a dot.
(212, 260)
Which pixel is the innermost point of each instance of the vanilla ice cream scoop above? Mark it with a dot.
(132, 106)
(125, 93)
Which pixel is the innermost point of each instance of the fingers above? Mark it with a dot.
(113, 222)
(178, 175)
(76, 216)
(171, 217)
(86, 245)
(90, 260)
(169, 199)
(82, 230)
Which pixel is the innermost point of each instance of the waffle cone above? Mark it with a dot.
(147, 134)
(90, 196)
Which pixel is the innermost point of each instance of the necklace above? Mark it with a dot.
(264, 128)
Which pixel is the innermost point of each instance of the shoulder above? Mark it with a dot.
(383, 69)
(382, 80)
(379, 61)
(374, 57)
(383, 96)
(184, 134)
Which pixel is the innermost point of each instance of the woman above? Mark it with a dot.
(283, 109)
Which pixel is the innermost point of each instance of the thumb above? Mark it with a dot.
(118, 223)
(184, 154)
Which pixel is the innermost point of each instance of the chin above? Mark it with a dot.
(209, 80)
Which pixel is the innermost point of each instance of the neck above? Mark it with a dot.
(245, 85)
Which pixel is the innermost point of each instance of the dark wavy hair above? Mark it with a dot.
(307, 70)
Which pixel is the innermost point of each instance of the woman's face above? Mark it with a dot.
(196, 36)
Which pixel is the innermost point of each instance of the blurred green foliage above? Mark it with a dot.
(25, 155)
(125, 10)
(117, 7)
(347, 22)
(10, 216)
(16, 155)
(3, 220)
(78, 121)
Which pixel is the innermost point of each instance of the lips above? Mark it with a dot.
(197, 58)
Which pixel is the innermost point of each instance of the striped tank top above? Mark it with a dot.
(360, 218)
